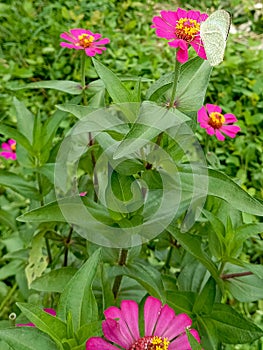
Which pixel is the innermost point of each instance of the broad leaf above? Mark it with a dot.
(70, 87)
(27, 338)
(25, 120)
(77, 297)
(51, 325)
(18, 184)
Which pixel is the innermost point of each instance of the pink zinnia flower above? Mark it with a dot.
(9, 149)
(211, 119)
(82, 39)
(162, 328)
(49, 311)
(182, 28)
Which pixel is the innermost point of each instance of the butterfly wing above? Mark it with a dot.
(214, 32)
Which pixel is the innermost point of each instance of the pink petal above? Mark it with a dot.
(103, 41)
(112, 312)
(194, 15)
(219, 136)
(111, 331)
(25, 325)
(210, 130)
(166, 316)
(182, 342)
(8, 155)
(68, 37)
(162, 33)
(203, 17)
(170, 17)
(230, 130)
(152, 308)
(79, 31)
(6, 146)
(230, 118)
(178, 326)
(71, 46)
(50, 311)
(202, 115)
(11, 142)
(199, 48)
(99, 343)
(181, 13)
(213, 108)
(182, 55)
(130, 314)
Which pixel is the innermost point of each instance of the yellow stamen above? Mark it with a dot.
(187, 29)
(216, 120)
(13, 147)
(85, 40)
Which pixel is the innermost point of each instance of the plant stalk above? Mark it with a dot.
(118, 279)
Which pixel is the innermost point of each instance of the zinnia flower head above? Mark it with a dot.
(9, 149)
(211, 118)
(49, 311)
(163, 330)
(82, 39)
(183, 29)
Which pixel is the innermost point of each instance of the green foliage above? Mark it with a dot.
(178, 214)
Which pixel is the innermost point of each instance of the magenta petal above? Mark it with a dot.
(79, 31)
(99, 343)
(71, 46)
(130, 314)
(202, 115)
(169, 17)
(219, 136)
(178, 326)
(50, 311)
(230, 118)
(111, 331)
(6, 146)
(213, 108)
(103, 41)
(181, 13)
(166, 316)
(199, 48)
(25, 325)
(68, 37)
(181, 343)
(152, 308)
(210, 130)
(112, 312)
(230, 130)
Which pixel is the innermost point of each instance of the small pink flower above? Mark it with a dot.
(83, 194)
(9, 149)
(49, 311)
(215, 123)
(182, 28)
(162, 328)
(82, 39)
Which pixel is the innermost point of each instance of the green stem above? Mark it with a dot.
(177, 68)
(83, 64)
(67, 243)
(7, 298)
(118, 279)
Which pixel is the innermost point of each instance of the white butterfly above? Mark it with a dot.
(214, 32)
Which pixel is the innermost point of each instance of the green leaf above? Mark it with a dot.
(91, 329)
(147, 276)
(70, 87)
(192, 341)
(27, 338)
(193, 244)
(222, 186)
(181, 302)
(233, 328)
(152, 120)
(205, 300)
(77, 297)
(210, 338)
(114, 86)
(51, 325)
(244, 288)
(25, 120)
(6, 218)
(18, 184)
(54, 281)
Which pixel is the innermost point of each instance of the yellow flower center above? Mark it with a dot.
(85, 40)
(151, 343)
(216, 120)
(187, 29)
(13, 147)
